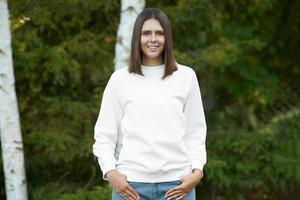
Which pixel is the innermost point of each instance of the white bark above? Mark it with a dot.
(10, 130)
(129, 12)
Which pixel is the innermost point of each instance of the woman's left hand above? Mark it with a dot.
(189, 182)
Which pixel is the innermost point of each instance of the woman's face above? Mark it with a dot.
(152, 42)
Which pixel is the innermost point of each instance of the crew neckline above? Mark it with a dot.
(153, 72)
(155, 67)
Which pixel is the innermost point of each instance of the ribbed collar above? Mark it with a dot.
(153, 71)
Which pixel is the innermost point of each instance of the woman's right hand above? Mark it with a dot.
(119, 183)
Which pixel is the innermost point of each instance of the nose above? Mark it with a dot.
(153, 38)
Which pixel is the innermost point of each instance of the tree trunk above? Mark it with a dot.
(10, 130)
(129, 12)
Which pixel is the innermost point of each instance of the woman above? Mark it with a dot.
(151, 130)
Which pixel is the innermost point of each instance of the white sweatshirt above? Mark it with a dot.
(149, 129)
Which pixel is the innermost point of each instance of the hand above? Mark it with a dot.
(119, 183)
(189, 182)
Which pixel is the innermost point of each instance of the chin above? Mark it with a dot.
(151, 55)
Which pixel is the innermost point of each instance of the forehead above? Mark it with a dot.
(152, 24)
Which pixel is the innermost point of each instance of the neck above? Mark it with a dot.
(152, 62)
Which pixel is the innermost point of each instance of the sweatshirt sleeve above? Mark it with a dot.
(107, 126)
(195, 126)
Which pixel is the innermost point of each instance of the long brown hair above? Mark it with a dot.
(135, 54)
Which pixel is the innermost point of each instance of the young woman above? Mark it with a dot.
(151, 130)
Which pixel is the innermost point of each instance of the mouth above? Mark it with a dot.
(153, 47)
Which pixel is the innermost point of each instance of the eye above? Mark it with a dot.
(146, 33)
(160, 33)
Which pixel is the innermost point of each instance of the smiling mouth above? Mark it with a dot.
(152, 47)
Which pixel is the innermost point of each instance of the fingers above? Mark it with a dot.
(177, 192)
(129, 196)
(180, 197)
(174, 192)
(129, 193)
(119, 182)
(133, 192)
(176, 195)
(171, 191)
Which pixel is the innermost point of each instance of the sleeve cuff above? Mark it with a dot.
(201, 171)
(106, 167)
(198, 165)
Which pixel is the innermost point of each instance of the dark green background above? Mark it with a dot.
(245, 53)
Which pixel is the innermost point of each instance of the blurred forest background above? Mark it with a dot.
(246, 55)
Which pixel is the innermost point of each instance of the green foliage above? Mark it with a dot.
(98, 193)
(256, 161)
(63, 57)
(245, 53)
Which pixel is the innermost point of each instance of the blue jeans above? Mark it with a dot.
(154, 191)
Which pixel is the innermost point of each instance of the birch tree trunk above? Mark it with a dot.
(129, 12)
(10, 130)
